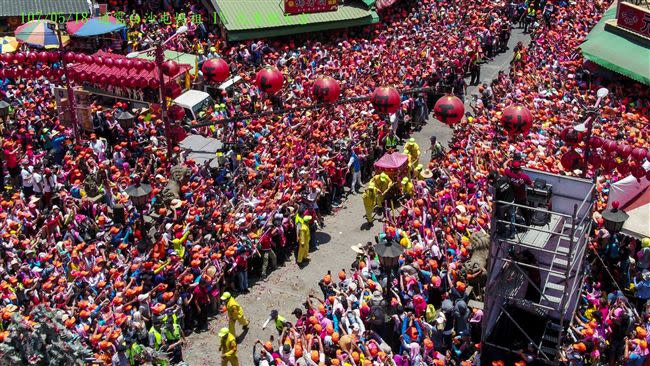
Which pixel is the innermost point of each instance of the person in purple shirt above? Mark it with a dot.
(519, 181)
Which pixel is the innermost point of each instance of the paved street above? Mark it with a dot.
(288, 286)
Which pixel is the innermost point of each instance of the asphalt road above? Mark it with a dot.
(288, 286)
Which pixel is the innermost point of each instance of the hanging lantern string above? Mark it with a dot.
(364, 98)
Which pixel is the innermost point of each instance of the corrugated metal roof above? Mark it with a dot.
(241, 35)
(260, 14)
(42, 8)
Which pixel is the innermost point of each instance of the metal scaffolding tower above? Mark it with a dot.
(535, 279)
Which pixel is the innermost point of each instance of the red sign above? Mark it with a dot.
(633, 18)
(309, 6)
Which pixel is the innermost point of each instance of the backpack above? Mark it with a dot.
(430, 313)
(377, 314)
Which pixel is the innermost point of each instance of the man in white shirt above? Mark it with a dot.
(38, 183)
(98, 146)
(28, 179)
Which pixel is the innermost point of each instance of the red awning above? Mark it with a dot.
(116, 72)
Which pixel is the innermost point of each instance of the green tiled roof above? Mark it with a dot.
(250, 19)
(27, 8)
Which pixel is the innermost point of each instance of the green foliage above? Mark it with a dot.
(44, 342)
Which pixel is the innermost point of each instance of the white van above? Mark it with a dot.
(194, 102)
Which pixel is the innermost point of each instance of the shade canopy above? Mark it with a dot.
(124, 116)
(639, 211)
(614, 52)
(94, 26)
(201, 149)
(39, 33)
(8, 44)
(395, 160)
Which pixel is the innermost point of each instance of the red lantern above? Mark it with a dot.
(153, 83)
(172, 90)
(19, 57)
(149, 65)
(43, 56)
(103, 80)
(7, 57)
(623, 167)
(215, 70)
(138, 65)
(97, 60)
(142, 82)
(596, 142)
(2, 73)
(47, 73)
(176, 112)
(638, 172)
(517, 120)
(32, 57)
(80, 58)
(269, 80)
(128, 64)
(571, 160)
(18, 72)
(53, 56)
(132, 83)
(595, 160)
(69, 57)
(326, 90)
(385, 99)
(639, 153)
(10, 73)
(609, 146)
(449, 109)
(624, 150)
(119, 63)
(38, 73)
(571, 137)
(108, 62)
(170, 68)
(609, 163)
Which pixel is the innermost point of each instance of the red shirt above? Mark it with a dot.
(519, 180)
(11, 159)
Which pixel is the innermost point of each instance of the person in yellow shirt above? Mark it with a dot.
(304, 236)
(382, 183)
(228, 347)
(412, 149)
(235, 312)
(406, 187)
(369, 201)
(178, 242)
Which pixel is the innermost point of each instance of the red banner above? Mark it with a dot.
(309, 6)
(633, 18)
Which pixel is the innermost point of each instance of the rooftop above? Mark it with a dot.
(29, 9)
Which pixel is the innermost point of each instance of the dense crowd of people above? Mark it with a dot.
(129, 280)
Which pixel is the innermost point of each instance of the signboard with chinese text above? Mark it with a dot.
(309, 6)
(633, 18)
